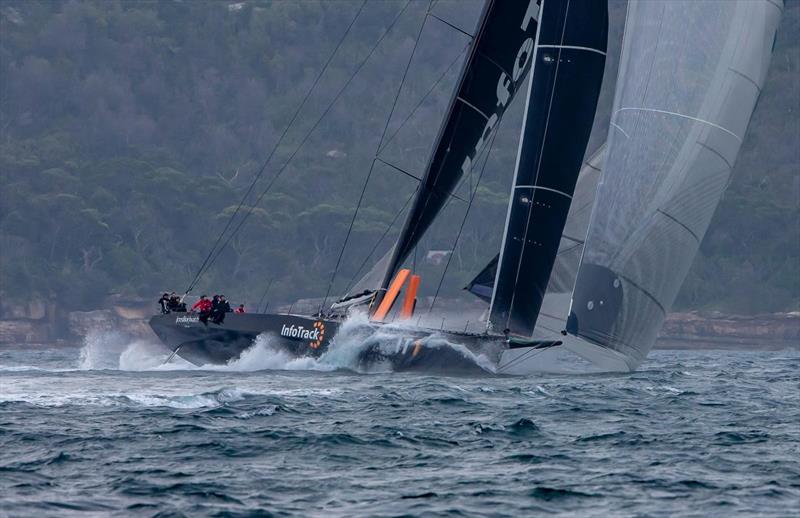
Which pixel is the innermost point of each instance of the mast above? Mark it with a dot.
(499, 59)
(568, 63)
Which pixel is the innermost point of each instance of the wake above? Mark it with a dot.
(356, 348)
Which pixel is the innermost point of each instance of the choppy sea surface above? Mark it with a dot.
(106, 429)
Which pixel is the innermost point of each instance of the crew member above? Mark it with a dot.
(164, 303)
(204, 307)
(215, 309)
(220, 309)
(175, 303)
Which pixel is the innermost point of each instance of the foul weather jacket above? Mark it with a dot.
(203, 305)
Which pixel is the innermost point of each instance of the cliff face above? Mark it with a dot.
(39, 322)
(42, 322)
(715, 330)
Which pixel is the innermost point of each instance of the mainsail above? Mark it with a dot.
(569, 58)
(690, 75)
(499, 59)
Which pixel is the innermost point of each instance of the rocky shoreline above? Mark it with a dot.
(695, 330)
(43, 323)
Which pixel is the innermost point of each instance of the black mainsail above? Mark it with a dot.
(497, 64)
(569, 58)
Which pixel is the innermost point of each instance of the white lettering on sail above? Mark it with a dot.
(523, 56)
(504, 84)
(531, 14)
(503, 90)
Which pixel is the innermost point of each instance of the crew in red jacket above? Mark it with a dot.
(204, 307)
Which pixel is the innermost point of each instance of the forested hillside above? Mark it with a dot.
(129, 131)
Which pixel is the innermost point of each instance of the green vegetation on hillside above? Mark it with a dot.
(130, 130)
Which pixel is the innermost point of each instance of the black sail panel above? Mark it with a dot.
(482, 285)
(567, 74)
(497, 64)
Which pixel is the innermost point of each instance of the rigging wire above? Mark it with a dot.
(466, 214)
(351, 282)
(389, 140)
(375, 158)
(246, 215)
(424, 97)
(202, 268)
(264, 296)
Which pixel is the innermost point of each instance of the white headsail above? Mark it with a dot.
(690, 75)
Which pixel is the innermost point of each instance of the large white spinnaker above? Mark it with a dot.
(690, 75)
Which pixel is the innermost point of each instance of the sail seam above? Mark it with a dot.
(495, 63)
(748, 78)
(673, 218)
(620, 129)
(716, 153)
(573, 47)
(570, 249)
(676, 114)
(776, 5)
(473, 107)
(543, 189)
(644, 291)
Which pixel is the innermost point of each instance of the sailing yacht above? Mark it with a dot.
(593, 253)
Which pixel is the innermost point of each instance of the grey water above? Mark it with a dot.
(106, 430)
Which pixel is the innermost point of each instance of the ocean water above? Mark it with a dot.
(107, 430)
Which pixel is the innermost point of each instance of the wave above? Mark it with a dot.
(203, 400)
(357, 347)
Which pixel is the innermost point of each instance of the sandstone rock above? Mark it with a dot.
(23, 331)
(32, 310)
(36, 309)
(81, 322)
(758, 331)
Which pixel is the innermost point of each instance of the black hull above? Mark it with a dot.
(301, 336)
(210, 343)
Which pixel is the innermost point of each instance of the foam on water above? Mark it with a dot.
(212, 399)
(708, 433)
(110, 350)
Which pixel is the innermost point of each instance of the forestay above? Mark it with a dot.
(689, 78)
